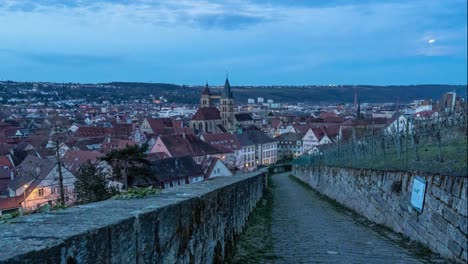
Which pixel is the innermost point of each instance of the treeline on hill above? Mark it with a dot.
(345, 94)
(121, 91)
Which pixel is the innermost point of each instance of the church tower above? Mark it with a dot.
(205, 100)
(227, 107)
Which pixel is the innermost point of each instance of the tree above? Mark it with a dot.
(91, 185)
(129, 164)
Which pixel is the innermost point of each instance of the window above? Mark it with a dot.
(40, 192)
(52, 191)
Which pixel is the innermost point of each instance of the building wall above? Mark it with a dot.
(401, 125)
(267, 153)
(384, 198)
(309, 141)
(231, 160)
(287, 148)
(226, 109)
(249, 157)
(206, 126)
(145, 127)
(48, 190)
(220, 170)
(160, 147)
(200, 226)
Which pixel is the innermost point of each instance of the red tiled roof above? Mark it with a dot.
(5, 162)
(427, 113)
(158, 124)
(113, 143)
(225, 142)
(10, 203)
(333, 119)
(121, 130)
(182, 145)
(319, 132)
(5, 178)
(207, 113)
(73, 159)
(276, 123)
(324, 115)
(301, 128)
(177, 123)
(90, 131)
(177, 131)
(332, 131)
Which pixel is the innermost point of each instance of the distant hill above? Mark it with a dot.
(306, 94)
(345, 94)
(116, 91)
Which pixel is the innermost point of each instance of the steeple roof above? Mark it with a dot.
(227, 89)
(206, 90)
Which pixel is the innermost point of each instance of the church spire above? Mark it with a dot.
(227, 88)
(206, 91)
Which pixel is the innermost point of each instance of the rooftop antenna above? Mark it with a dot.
(355, 97)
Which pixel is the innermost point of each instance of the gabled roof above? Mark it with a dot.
(4, 148)
(208, 165)
(175, 168)
(301, 128)
(243, 117)
(11, 202)
(207, 113)
(5, 161)
(158, 124)
(5, 179)
(90, 131)
(73, 159)
(18, 156)
(290, 136)
(113, 143)
(31, 169)
(253, 136)
(276, 123)
(206, 91)
(225, 142)
(319, 132)
(332, 131)
(183, 145)
(177, 131)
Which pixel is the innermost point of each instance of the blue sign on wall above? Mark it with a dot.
(417, 195)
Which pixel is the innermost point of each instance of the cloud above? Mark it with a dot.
(249, 36)
(59, 59)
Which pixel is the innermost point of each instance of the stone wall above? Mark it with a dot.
(384, 198)
(196, 223)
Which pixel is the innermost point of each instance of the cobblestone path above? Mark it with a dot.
(307, 229)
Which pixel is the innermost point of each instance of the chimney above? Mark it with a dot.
(12, 175)
(183, 135)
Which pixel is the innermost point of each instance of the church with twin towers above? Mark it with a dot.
(217, 111)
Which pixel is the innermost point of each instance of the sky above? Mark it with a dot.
(255, 42)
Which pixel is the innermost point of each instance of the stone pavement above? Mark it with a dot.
(306, 229)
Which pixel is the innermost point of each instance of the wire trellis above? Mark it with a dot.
(437, 146)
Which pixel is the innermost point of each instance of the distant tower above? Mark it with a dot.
(355, 98)
(205, 100)
(227, 107)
